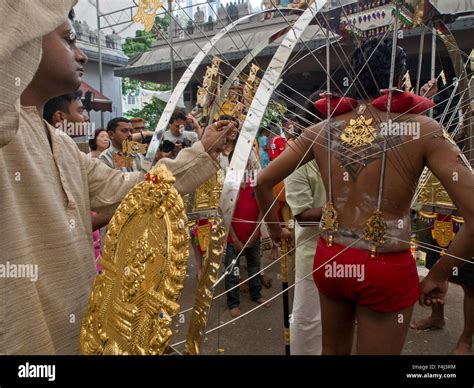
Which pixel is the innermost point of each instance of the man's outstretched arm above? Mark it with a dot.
(276, 171)
(191, 168)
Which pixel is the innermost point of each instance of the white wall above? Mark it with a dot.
(111, 89)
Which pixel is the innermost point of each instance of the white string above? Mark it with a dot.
(275, 296)
(437, 249)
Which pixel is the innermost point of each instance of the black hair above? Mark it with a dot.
(113, 124)
(295, 120)
(376, 74)
(166, 146)
(178, 115)
(93, 142)
(226, 117)
(291, 117)
(231, 119)
(310, 113)
(60, 103)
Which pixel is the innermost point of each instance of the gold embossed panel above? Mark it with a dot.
(205, 291)
(207, 195)
(144, 267)
(434, 194)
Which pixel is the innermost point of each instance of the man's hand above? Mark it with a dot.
(275, 251)
(433, 288)
(99, 220)
(252, 240)
(193, 120)
(277, 234)
(238, 246)
(429, 89)
(215, 137)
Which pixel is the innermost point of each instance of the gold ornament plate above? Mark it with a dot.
(204, 293)
(434, 194)
(376, 231)
(359, 132)
(146, 13)
(130, 147)
(203, 235)
(207, 195)
(290, 257)
(329, 221)
(329, 218)
(443, 233)
(144, 266)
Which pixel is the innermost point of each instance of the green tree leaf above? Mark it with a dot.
(274, 114)
(139, 44)
(150, 112)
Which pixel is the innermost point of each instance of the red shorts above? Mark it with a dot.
(386, 283)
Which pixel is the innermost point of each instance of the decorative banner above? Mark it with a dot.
(204, 293)
(443, 231)
(206, 93)
(144, 266)
(133, 147)
(407, 82)
(146, 13)
(204, 235)
(434, 194)
(121, 161)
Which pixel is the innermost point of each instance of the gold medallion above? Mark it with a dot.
(133, 147)
(359, 132)
(329, 221)
(443, 233)
(144, 266)
(376, 230)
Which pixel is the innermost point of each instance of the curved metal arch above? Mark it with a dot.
(183, 83)
(241, 66)
(443, 32)
(255, 114)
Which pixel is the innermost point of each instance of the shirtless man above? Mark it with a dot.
(382, 299)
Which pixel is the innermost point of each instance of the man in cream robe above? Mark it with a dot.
(48, 186)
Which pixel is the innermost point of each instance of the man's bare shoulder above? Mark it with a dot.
(427, 124)
(315, 131)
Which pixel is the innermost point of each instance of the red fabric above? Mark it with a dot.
(246, 209)
(339, 105)
(403, 102)
(389, 283)
(276, 146)
(443, 217)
